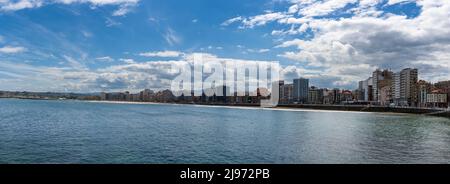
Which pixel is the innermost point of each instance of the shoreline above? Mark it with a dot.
(289, 107)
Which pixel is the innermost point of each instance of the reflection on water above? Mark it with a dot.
(82, 132)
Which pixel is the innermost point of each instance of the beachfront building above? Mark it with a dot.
(424, 88)
(301, 90)
(286, 93)
(385, 98)
(280, 85)
(146, 95)
(366, 87)
(445, 87)
(437, 99)
(405, 87)
(380, 79)
(346, 97)
(332, 96)
(315, 95)
(358, 94)
(328, 97)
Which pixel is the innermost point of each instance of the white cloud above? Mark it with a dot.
(345, 49)
(111, 22)
(306, 8)
(162, 54)
(86, 34)
(8, 5)
(292, 31)
(321, 8)
(125, 6)
(258, 50)
(294, 9)
(105, 59)
(74, 64)
(127, 61)
(11, 49)
(392, 2)
(232, 20)
(153, 20)
(171, 37)
(127, 76)
(263, 19)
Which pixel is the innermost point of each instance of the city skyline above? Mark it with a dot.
(126, 45)
(384, 88)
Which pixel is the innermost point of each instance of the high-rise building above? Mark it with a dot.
(376, 76)
(385, 95)
(405, 87)
(286, 93)
(424, 88)
(315, 95)
(380, 79)
(280, 85)
(336, 96)
(301, 90)
(396, 88)
(146, 95)
(359, 93)
(367, 89)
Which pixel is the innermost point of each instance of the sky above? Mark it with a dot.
(118, 45)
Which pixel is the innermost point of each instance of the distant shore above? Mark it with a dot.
(311, 107)
(303, 107)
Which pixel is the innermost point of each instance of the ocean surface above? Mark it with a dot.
(34, 131)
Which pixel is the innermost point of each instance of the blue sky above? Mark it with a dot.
(96, 45)
(188, 26)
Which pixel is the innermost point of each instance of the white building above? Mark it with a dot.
(405, 90)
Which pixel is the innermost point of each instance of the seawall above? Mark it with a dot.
(360, 108)
(364, 108)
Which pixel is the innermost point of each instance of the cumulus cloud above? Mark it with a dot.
(347, 48)
(321, 8)
(126, 76)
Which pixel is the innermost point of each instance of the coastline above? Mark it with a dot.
(303, 107)
(309, 108)
(290, 107)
